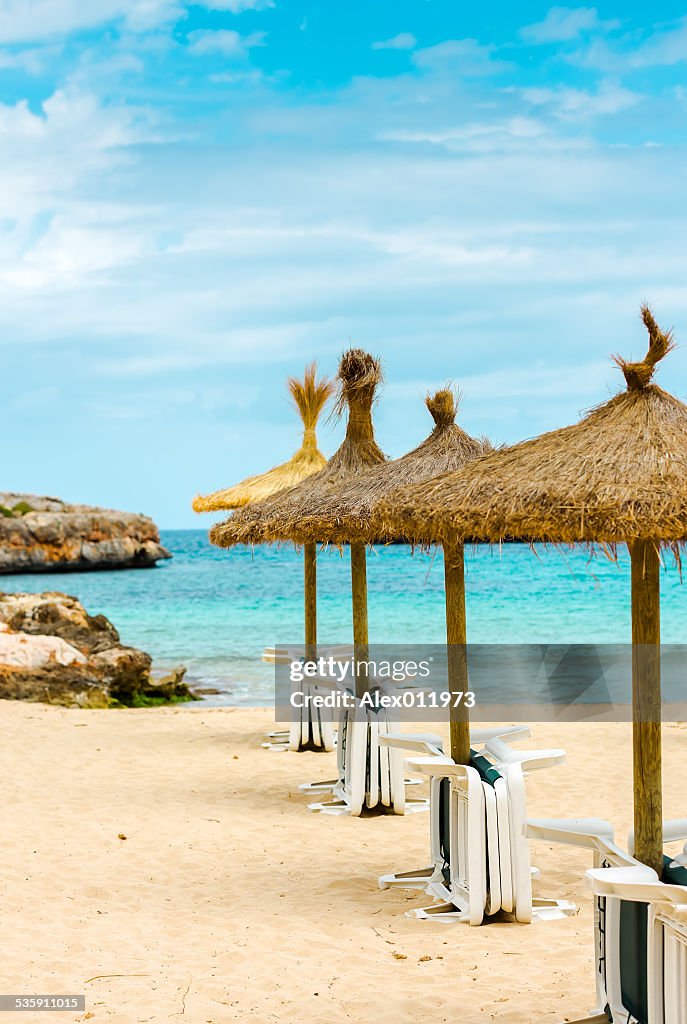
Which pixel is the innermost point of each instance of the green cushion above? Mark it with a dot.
(484, 766)
(445, 827)
(633, 955)
(674, 874)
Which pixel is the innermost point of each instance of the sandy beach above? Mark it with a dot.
(162, 863)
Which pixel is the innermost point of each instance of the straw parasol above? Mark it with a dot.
(619, 475)
(309, 396)
(344, 515)
(278, 518)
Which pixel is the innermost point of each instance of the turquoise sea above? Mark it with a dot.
(215, 610)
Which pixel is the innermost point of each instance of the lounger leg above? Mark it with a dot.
(552, 910)
(445, 913)
(330, 807)
(417, 879)
(319, 787)
(597, 1018)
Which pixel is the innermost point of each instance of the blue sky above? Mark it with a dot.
(197, 199)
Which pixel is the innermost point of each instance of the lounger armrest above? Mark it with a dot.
(639, 883)
(530, 760)
(438, 767)
(510, 732)
(676, 829)
(584, 832)
(672, 831)
(535, 760)
(417, 744)
(432, 766)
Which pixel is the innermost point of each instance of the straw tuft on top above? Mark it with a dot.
(443, 406)
(620, 474)
(360, 374)
(309, 396)
(281, 517)
(639, 375)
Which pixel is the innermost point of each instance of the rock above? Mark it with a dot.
(171, 686)
(41, 534)
(52, 650)
(56, 614)
(21, 651)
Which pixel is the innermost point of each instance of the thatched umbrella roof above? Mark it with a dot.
(619, 474)
(279, 518)
(345, 515)
(309, 396)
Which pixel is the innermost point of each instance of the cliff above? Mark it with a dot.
(40, 534)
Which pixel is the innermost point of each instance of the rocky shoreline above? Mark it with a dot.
(42, 534)
(52, 650)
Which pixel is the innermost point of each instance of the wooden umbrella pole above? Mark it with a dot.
(310, 597)
(359, 597)
(646, 704)
(456, 638)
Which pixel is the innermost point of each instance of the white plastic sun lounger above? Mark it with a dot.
(667, 989)
(434, 878)
(368, 777)
(646, 946)
(310, 729)
(516, 871)
(486, 862)
(514, 851)
(330, 785)
(624, 971)
(505, 857)
(468, 863)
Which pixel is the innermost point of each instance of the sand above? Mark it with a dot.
(162, 863)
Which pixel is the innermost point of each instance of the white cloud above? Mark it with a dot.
(27, 20)
(562, 24)
(224, 41)
(69, 253)
(480, 137)
(71, 126)
(464, 56)
(571, 104)
(403, 41)
(142, 15)
(238, 6)
(664, 47)
(33, 60)
(52, 236)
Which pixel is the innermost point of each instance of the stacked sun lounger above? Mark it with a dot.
(310, 729)
(640, 923)
(367, 776)
(480, 863)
